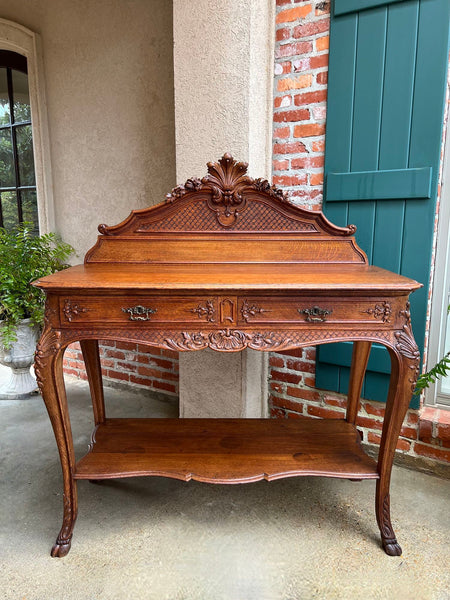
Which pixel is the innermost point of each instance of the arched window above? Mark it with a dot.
(18, 199)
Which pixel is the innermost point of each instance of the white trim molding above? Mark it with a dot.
(19, 39)
(441, 282)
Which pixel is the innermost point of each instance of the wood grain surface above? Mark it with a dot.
(225, 450)
(242, 276)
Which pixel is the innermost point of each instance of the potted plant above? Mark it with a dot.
(24, 257)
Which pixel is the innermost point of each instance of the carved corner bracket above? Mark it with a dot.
(407, 347)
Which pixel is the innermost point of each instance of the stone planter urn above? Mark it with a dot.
(19, 358)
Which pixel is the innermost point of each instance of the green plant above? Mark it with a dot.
(25, 257)
(440, 369)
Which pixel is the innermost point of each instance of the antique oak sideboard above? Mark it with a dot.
(226, 263)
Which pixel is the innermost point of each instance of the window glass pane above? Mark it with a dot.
(7, 177)
(21, 97)
(29, 208)
(4, 102)
(25, 154)
(9, 209)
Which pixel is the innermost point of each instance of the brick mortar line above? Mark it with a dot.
(141, 386)
(79, 358)
(321, 403)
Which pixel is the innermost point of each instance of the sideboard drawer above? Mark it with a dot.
(314, 310)
(218, 311)
(135, 311)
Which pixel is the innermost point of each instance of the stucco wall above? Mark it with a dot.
(108, 67)
(223, 69)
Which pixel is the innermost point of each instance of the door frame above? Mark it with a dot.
(440, 284)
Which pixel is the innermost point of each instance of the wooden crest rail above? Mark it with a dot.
(227, 263)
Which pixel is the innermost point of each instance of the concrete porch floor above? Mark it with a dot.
(161, 539)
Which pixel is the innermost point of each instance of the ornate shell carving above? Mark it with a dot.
(227, 180)
(226, 340)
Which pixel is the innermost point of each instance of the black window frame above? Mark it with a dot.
(14, 61)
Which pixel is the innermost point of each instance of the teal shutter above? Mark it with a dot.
(386, 91)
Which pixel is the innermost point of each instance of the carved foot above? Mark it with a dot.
(391, 547)
(388, 539)
(61, 548)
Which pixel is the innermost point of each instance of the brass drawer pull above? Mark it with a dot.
(139, 312)
(315, 314)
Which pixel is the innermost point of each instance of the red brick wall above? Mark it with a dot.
(300, 89)
(301, 69)
(135, 364)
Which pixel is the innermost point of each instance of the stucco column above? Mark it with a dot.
(223, 73)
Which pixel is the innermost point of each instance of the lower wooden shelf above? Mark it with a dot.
(225, 450)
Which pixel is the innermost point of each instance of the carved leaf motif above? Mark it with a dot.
(227, 174)
(386, 527)
(251, 310)
(381, 311)
(71, 310)
(49, 343)
(65, 535)
(192, 185)
(189, 341)
(205, 310)
(262, 341)
(406, 314)
(175, 340)
(262, 185)
(407, 346)
(226, 179)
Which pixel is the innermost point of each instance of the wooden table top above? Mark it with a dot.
(243, 276)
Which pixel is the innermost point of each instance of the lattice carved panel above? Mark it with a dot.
(256, 216)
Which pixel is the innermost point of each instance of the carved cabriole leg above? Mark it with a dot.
(404, 370)
(49, 375)
(360, 357)
(91, 357)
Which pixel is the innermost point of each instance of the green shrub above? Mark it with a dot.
(440, 369)
(25, 257)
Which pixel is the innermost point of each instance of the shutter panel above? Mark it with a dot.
(386, 91)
